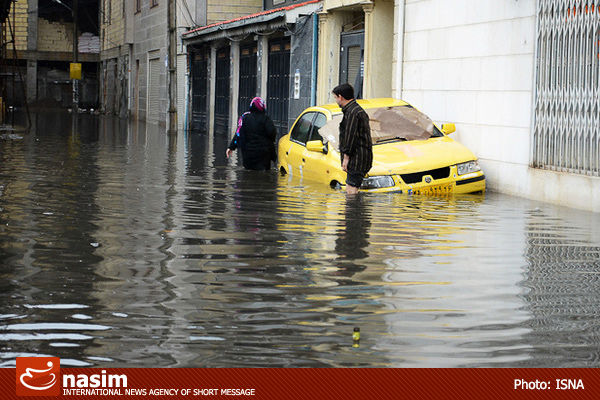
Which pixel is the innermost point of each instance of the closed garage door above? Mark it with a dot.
(153, 89)
(222, 91)
(199, 89)
(181, 89)
(278, 85)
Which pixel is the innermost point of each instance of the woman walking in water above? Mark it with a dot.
(255, 135)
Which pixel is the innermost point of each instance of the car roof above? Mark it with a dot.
(334, 109)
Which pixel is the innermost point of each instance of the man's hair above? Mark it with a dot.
(345, 90)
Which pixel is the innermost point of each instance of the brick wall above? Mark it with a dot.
(20, 27)
(217, 10)
(55, 36)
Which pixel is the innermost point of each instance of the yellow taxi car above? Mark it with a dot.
(410, 153)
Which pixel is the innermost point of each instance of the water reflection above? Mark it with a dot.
(122, 246)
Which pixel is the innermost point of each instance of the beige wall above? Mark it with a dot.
(378, 56)
(379, 32)
(329, 5)
(114, 27)
(223, 11)
(20, 27)
(55, 36)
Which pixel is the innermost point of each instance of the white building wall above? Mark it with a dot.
(472, 62)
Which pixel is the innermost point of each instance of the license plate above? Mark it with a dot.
(437, 190)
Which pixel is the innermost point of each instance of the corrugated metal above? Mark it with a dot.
(354, 56)
(278, 84)
(181, 89)
(153, 89)
(200, 60)
(222, 94)
(567, 108)
(248, 75)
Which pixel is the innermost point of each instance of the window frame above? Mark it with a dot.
(314, 114)
(312, 128)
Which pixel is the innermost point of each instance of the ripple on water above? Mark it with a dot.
(182, 258)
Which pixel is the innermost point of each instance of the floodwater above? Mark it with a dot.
(122, 247)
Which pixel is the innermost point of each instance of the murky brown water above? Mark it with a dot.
(120, 247)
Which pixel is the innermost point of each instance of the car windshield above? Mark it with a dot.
(388, 124)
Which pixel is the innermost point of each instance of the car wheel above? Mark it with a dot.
(335, 185)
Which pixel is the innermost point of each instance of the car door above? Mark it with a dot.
(298, 137)
(317, 165)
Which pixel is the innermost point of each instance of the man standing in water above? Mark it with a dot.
(356, 148)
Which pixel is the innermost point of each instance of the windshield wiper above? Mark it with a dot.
(392, 139)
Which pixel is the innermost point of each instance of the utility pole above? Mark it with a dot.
(75, 56)
(172, 49)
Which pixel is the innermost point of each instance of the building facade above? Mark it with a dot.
(37, 47)
(356, 46)
(520, 80)
(134, 75)
(272, 54)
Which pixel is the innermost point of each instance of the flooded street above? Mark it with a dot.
(122, 247)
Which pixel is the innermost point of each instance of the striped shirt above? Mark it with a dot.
(355, 138)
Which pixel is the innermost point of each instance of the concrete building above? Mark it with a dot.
(356, 46)
(116, 32)
(519, 78)
(134, 54)
(272, 54)
(38, 58)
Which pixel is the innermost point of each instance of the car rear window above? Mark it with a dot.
(400, 123)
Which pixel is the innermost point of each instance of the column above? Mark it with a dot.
(328, 59)
(263, 66)
(368, 56)
(234, 84)
(32, 38)
(212, 88)
(398, 61)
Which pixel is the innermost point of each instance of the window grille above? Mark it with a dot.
(567, 105)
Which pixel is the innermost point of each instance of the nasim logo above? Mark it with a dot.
(38, 376)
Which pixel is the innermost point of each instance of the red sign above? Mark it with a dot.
(43, 377)
(38, 376)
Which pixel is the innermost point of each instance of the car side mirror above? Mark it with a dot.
(316, 146)
(448, 128)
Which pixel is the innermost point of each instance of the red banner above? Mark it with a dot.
(45, 381)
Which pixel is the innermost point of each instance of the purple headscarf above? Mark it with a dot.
(258, 104)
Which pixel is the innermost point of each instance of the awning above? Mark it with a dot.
(260, 22)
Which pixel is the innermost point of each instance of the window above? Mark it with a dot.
(153, 3)
(301, 130)
(398, 123)
(565, 136)
(138, 6)
(320, 121)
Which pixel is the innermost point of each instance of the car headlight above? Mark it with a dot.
(468, 167)
(377, 182)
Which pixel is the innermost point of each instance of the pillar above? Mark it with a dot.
(234, 84)
(263, 66)
(212, 88)
(32, 39)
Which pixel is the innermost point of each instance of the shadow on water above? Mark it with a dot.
(122, 246)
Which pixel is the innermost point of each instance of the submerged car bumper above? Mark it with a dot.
(453, 184)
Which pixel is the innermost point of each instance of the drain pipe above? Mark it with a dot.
(315, 45)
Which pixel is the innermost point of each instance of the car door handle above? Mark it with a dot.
(303, 160)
